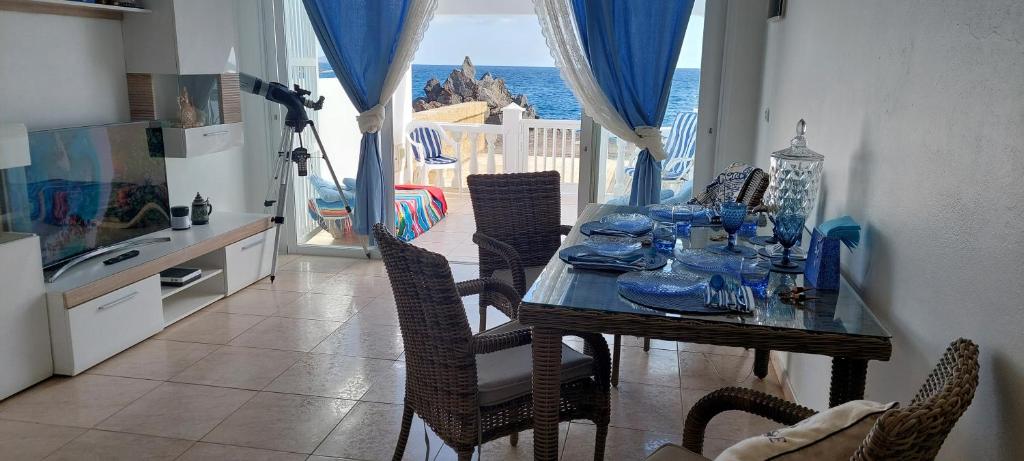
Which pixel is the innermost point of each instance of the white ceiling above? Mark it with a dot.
(505, 7)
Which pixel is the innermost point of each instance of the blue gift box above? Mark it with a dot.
(822, 266)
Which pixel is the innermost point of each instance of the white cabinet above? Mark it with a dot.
(192, 142)
(24, 333)
(181, 37)
(89, 333)
(249, 260)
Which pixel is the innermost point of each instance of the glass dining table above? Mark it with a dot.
(565, 301)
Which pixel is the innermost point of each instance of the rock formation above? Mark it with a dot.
(462, 86)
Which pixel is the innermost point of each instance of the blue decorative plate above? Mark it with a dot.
(681, 292)
(608, 245)
(762, 240)
(584, 257)
(796, 253)
(703, 260)
(632, 223)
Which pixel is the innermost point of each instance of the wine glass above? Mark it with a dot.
(788, 228)
(733, 214)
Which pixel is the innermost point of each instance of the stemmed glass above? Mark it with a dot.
(733, 214)
(788, 228)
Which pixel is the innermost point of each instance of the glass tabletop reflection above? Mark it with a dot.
(561, 285)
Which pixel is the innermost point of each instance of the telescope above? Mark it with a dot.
(295, 121)
(294, 100)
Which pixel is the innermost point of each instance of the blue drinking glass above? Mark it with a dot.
(733, 214)
(788, 228)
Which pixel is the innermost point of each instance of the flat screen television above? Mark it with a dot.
(88, 188)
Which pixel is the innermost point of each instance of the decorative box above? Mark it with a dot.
(822, 266)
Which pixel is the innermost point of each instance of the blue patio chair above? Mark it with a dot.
(680, 147)
(425, 141)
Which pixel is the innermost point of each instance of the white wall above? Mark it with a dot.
(918, 107)
(61, 71)
(64, 71)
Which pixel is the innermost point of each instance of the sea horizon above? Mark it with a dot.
(544, 88)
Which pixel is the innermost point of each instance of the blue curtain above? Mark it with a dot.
(632, 48)
(360, 38)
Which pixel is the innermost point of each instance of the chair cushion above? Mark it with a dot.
(440, 160)
(531, 272)
(833, 434)
(671, 452)
(507, 374)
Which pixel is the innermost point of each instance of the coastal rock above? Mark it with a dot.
(462, 86)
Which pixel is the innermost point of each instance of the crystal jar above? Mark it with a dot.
(795, 176)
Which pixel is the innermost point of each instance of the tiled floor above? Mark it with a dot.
(311, 368)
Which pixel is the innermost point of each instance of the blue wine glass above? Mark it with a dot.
(788, 228)
(733, 214)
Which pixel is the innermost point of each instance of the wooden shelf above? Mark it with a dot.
(208, 273)
(69, 8)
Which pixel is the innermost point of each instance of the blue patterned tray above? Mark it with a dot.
(640, 260)
(681, 292)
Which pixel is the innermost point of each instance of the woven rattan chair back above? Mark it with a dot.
(522, 210)
(753, 189)
(441, 379)
(917, 431)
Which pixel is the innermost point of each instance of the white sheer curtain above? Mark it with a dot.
(420, 13)
(558, 25)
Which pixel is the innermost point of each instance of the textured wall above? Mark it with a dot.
(918, 107)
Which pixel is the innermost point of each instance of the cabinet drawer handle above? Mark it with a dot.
(255, 243)
(216, 133)
(117, 301)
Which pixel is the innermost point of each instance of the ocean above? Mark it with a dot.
(544, 88)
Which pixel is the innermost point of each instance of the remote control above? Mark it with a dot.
(121, 257)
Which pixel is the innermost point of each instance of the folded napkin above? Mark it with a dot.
(843, 228)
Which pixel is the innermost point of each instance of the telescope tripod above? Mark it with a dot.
(287, 155)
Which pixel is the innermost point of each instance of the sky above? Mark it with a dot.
(513, 40)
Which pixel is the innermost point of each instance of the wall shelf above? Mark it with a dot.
(69, 8)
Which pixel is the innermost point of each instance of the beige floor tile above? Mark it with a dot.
(182, 411)
(283, 422)
(114, 446)
(370, 267)
(696, 371)
(647, 407)
(30, 441)
(712, 349)
(327, 458)
(359, 339)
(203, 451)
(714, 446)
(322, 264)
(154, 359)
(255, 302)
(210, 327)
(239, 367)
(318, 306)
(293, 281)
(370, 431)
(622, 444)
(389, 387)
(346, 284)
(287, 334)
(379, 311)
(738, 371)
(635, 341)
(501, 449)
(82, 401)
(463, 272)
(335, 376)
(656, 366)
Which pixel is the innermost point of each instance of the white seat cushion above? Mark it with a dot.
(507, 374)
(531, 272)
(671, 452)
(833, 434)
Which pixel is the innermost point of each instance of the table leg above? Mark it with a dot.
(761, 359)
(848, 377)
(547, 366)
(616, 349)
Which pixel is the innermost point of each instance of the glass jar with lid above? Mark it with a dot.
(795, 176)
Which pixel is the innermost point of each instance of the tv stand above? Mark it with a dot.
(97, 310)
(102, 251)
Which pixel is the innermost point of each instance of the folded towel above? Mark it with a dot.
(843, 228)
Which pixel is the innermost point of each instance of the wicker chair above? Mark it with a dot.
(468, 388)
(910, 433)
